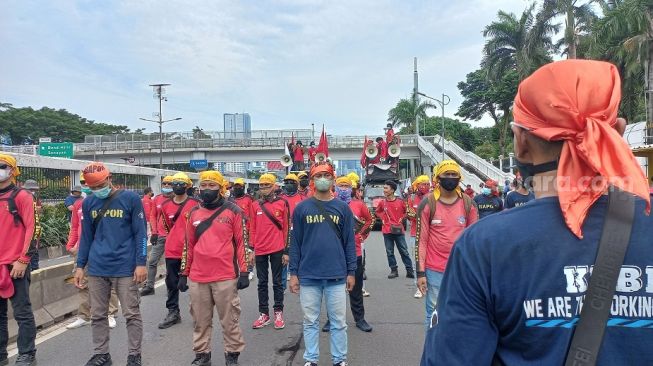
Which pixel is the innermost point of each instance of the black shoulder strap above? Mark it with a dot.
(179, 209)
(103, 210)
(269, 215)
(204, 225)
(587, 339)
(334, 227)
(13, 208)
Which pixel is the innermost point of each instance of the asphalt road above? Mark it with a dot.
(396, 316)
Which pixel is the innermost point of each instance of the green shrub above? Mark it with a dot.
(54, 226)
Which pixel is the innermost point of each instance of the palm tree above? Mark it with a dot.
(579, 17)
(623, 36)
(407, 110)
(520, 44)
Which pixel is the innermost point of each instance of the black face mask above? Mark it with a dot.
(290, 188)
(303, 183)
(528, 170)
(179, 191)
(449, 184)
(239, 191)
(209, 195)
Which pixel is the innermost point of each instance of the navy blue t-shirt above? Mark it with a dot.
(120, 240)
(515, 282)
(69, 201)
(516, 199)
(487, 205)
(315, 251)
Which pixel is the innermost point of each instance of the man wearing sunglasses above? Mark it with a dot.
(19, 229)
(172, 213)
(113, 251)
(158, 238)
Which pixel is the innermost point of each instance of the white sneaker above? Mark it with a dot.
(77, 324)
(365, 293)
(112, 321)
(418, 294)
(251, 276)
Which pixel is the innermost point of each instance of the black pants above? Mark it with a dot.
(356, 294)
(173, 268)
(274, 260)
(22, 307)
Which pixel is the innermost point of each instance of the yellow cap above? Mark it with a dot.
(355, 179)
(446, 166)
(302, 174)
(240, 181)
(293, 177)
(267, 178)
(11, 161)
(344, 180)
(216, 177)
(167, 179)
(182, 177)
(420, 180)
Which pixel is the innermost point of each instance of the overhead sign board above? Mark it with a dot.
(56, 149)
(199, 164)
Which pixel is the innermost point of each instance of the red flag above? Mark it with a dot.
(363, 156)
(323, 146)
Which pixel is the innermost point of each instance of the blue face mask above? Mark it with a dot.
(323, 184)
(486, 191)
(86, 190)
(102, 193)
(343, 194)
(166, 190)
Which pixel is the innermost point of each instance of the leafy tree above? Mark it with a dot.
(521, 45)
(26, 125)
(406, 110)
(198, 133)
(579, 18)
(494, 97)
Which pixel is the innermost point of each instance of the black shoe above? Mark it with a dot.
(231, 358)
(134, 360)
(147, 291)
(102, 359)
(362, 325)
(327, 326)
(26, 359)
(171, 319)
(393, 273)
(202, 359)
(410, 274)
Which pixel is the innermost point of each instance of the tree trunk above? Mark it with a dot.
(570, 33)
(503, 131)
(649, 99)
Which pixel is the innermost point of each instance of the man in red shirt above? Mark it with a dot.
(453, 211)
(291, 195)
(147, 205)
(420, 187)
(269, 235)
(244, 201)
(172, 213)
(157, 237)
(304, 184)
(392, 212)
(19, 230)
(312, 150)
(216, 262)
(469, 191)
(382, 148)
(298, 155)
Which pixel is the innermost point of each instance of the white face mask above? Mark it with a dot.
(4, 175)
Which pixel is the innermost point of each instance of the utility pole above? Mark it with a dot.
(416, 96)
(159, 91)
(445, 100)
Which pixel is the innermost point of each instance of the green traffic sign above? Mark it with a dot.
(56, 149)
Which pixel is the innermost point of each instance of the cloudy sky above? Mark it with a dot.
(288, 63)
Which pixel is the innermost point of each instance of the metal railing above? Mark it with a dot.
(429, 149)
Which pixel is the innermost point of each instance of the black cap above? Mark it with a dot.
(392, 184)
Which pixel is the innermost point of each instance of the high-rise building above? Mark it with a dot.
(237, 125)
(231, 167)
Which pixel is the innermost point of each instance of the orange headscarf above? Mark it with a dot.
(576, 101)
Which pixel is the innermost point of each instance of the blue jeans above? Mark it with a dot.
(433, 281)
(334, 293)
(399, 239)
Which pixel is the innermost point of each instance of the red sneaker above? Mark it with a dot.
(278, 320)
(263, 320)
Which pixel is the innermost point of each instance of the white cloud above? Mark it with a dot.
(288, 63)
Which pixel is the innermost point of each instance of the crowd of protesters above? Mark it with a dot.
(481, 260)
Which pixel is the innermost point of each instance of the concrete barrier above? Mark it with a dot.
(53, 298)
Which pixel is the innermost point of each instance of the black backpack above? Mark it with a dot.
(11, 205)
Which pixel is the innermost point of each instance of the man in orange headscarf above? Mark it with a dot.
(522, 274)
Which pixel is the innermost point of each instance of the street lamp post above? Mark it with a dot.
(445, 100)
(159, 92)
